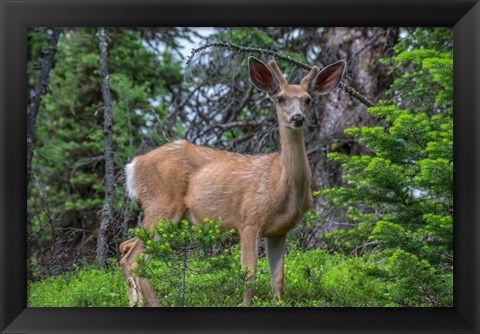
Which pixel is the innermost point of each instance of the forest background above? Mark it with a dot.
(380, 232)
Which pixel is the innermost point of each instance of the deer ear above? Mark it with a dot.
(261, 76)
(327, 79)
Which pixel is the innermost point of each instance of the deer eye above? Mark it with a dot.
(280, 99)
(308, 100)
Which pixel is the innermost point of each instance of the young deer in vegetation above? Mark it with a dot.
(258, 196)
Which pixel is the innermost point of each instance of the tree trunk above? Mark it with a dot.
(107, 212)
(40, 91)
(362, 48)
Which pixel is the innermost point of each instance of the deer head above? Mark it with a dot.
(290, 100)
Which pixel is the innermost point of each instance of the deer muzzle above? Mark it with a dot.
(297, 120)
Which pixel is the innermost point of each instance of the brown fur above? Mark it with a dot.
(259, 196)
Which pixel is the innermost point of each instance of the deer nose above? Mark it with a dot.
(298, 120)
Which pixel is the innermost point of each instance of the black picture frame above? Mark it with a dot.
(17, 15)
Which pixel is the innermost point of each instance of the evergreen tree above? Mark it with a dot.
(401, 194)
(67, 189)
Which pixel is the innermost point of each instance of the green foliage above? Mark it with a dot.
(85, 287)
(188, 267)
(68, 164)
(440, 39)
(401, 195)
(187, 263)
(213, 277)
(37, 43)
(313, 279)
(423, 68)
(317, 279)
(416, 282)
(246, 36)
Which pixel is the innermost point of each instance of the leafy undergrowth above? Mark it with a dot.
(187, 267)
(85, 287)
(312, 279)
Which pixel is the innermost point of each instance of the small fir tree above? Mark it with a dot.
(401, 194)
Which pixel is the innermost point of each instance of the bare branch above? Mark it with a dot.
(347, 89)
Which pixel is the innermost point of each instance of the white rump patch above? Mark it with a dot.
(129, 181)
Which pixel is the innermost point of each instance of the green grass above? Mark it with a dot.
(312, 279)
(85, 287)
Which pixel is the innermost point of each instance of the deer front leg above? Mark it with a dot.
(248, 247)
(139, 289)
(275, 255)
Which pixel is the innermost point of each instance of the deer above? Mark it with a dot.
(259, 196)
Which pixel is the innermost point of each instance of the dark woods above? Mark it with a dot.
(98, 97)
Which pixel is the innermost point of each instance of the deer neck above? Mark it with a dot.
(295, 169)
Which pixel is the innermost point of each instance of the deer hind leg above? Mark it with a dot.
(275, 255)
(140, 291)
(249, 249)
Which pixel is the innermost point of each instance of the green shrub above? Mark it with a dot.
(400, 195)
(312, 279)
(316, 278)
(85, 287)
(189, 265)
